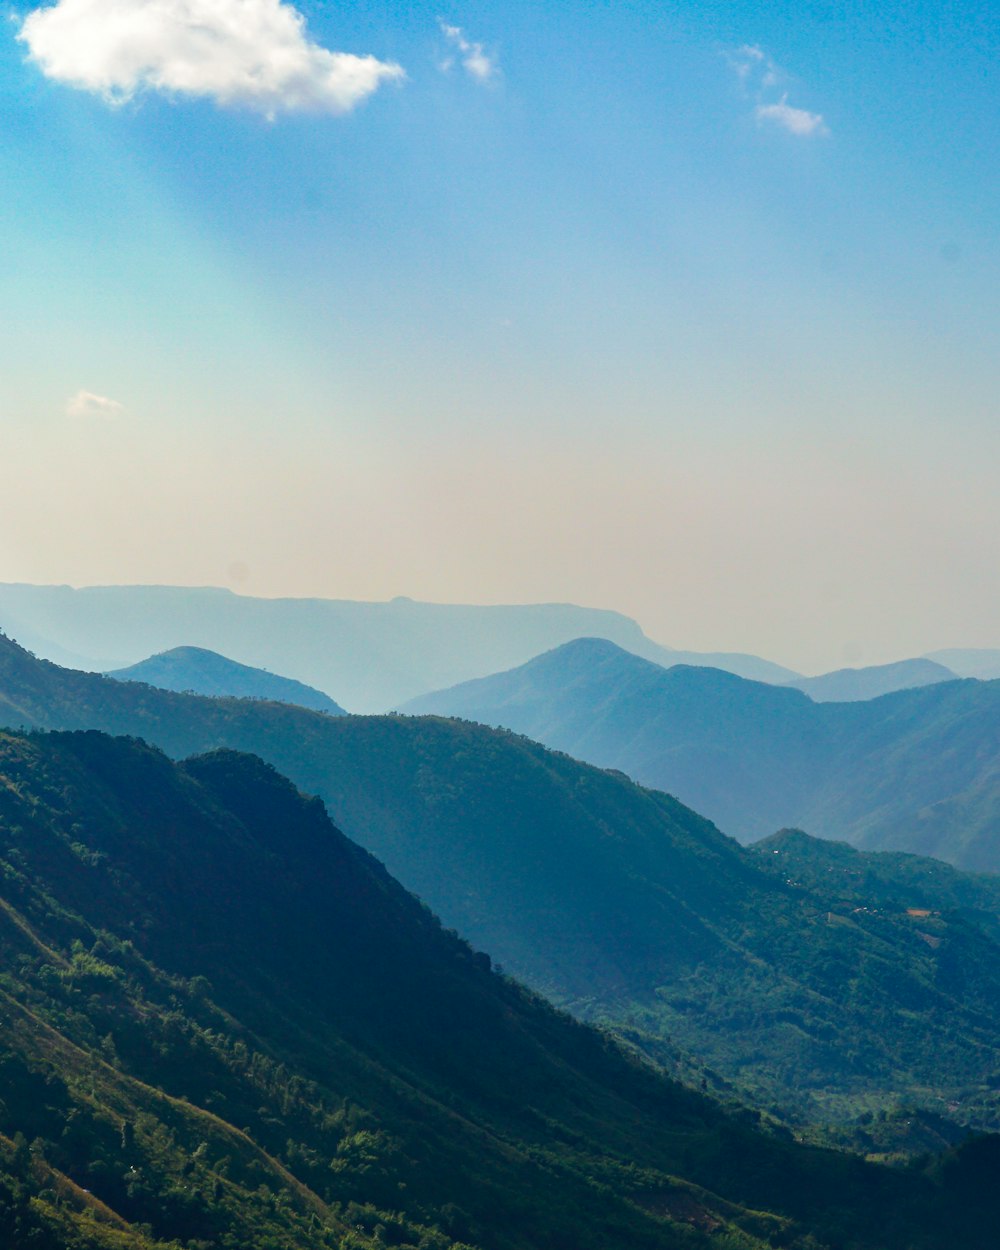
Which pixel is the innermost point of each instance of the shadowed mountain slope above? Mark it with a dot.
(917, 770)
(851, 684)
(619, 902)
(204, 672)
(369, 656)
(226, 1024)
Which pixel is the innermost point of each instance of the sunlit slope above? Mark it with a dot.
(917, 770)
(225, 1024)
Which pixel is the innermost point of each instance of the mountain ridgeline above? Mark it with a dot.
(224, 1024)
(618, 902)
(915, 770)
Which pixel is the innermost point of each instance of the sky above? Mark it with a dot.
(684, 309)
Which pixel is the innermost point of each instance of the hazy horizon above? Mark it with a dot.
(849, 661)
(684, 311)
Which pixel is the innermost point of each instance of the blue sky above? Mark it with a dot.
(684, 309)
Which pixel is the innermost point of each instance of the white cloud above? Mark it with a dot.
(246, 53)
(86, 404)
(760, 76)
(795, 121)
(474, 60)
(754, 67)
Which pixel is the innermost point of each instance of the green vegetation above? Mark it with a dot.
(225, 1026)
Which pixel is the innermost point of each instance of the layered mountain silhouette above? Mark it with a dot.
(225, 1025)
(850, 684)
(368, 656)
(618, 902)
(916, 770)
(206, 672)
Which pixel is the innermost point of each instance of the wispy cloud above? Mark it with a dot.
(795, 121)
(86, 404)
(241, 53)
(752, 62)
(472, 56)
(761, 78)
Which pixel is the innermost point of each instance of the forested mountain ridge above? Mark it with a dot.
(912, 882)
(618, 902)
(917, 770)
(225, 1024)
(197, 671)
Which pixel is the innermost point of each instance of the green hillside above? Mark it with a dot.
(618, 902)
(205, 672)
(225, 1025)
(892, 879)
(917, 770)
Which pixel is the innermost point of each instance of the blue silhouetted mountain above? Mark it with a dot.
(368, 656)
(206, 672)
(850, 684)
(915, 770)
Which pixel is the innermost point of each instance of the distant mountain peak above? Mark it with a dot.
(197, 670)
(848, 685)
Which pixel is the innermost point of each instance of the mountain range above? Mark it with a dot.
(375, 656)
(621, 904)
(367, 656)
(917, 770)
(206, 672)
